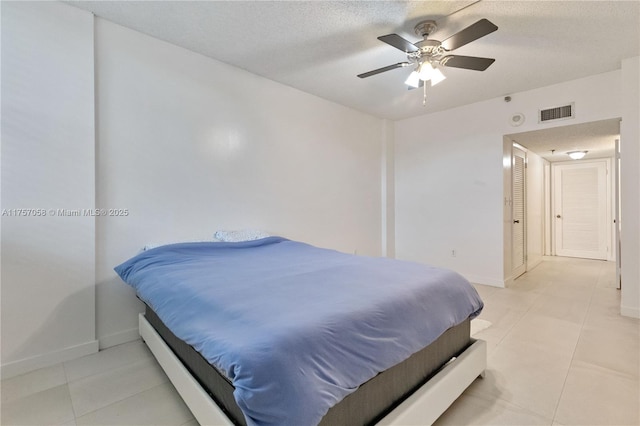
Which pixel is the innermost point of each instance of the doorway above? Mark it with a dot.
(545, 151)
(518, 226)
(581, 209)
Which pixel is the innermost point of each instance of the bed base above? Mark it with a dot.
(423, 407)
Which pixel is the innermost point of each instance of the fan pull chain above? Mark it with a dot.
(424, 96)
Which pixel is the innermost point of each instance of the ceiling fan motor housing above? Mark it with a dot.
(424, 28)
(429, 49)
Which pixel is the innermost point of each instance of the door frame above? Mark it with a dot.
(519, 151)
(616, 214)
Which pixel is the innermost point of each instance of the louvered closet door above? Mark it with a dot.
(518, 208)
(580, 209)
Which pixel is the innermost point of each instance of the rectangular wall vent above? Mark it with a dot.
(557, 113)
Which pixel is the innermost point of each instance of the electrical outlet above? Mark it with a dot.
(453, 252)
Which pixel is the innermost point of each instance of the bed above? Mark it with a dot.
(278, 332)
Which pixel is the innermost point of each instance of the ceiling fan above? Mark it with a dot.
(425, 55)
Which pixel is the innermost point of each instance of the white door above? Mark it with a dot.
(518, 230)
(580, 209)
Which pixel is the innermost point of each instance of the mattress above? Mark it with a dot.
(297, 328)
(371, 402)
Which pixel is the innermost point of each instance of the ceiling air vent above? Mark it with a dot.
(557, 113)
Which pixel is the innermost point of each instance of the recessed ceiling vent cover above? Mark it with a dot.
(557, 113)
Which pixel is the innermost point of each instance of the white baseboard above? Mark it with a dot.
(23, 366)
(629, 312)
(119, 338)
(485, 281)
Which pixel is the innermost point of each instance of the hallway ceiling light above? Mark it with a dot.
(576, 155)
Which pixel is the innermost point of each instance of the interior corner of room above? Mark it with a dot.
(96, 115)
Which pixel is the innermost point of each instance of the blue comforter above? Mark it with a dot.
(297, 328)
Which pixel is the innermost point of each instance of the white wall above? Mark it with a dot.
(630, 187)
(449, 173)
(446, 197)
(186, 144)
(47, 164)
(388, 191)
(190, 145)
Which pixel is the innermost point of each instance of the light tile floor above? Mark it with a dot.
(559, 353)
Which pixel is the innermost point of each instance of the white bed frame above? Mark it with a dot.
(423, 407)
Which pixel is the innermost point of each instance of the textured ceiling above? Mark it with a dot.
(320, 46)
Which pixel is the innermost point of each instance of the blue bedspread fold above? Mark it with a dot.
(296, 328)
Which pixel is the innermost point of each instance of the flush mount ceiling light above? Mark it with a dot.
(576, 155)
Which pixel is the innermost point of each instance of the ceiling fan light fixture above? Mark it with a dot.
(577, 155)
(426, 70)
(413, 80)
(437, 77)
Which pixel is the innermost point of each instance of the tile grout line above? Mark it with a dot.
(507, 333)
(66, 380)
(515, 323)
(584, 320)
(122, 399)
